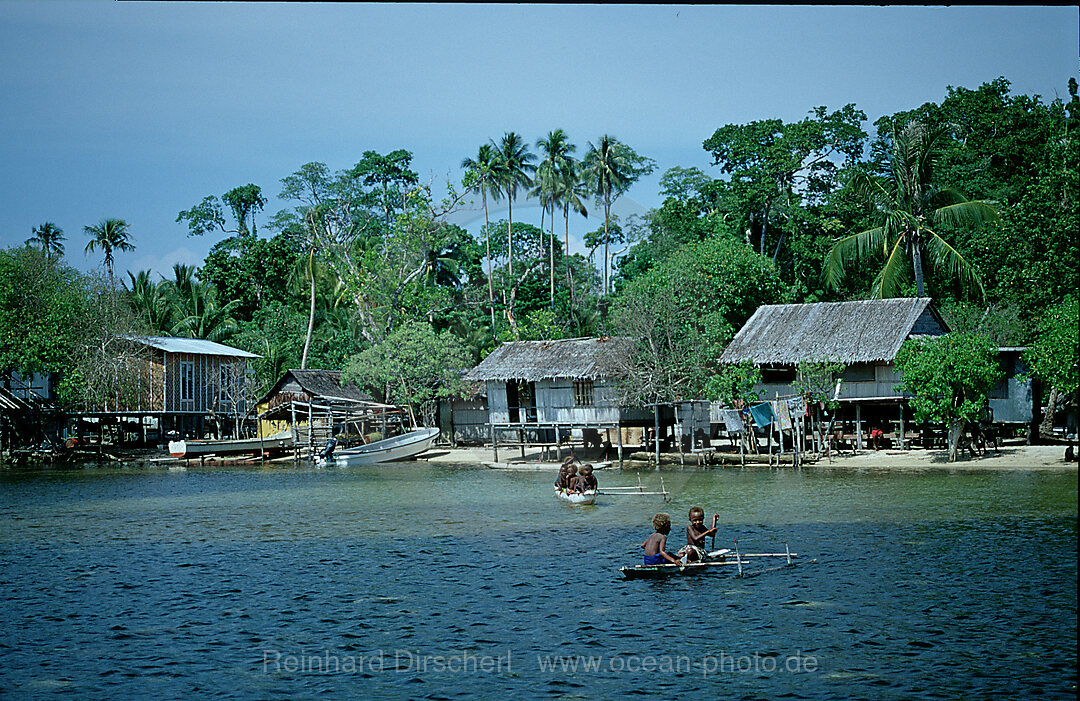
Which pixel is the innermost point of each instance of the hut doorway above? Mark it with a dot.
(521, 401)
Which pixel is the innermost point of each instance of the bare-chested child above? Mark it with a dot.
(585, 481)
(696, 533)
(566, 481)
(655, 552)
(565, 467)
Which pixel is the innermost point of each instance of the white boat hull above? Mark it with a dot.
(195, 449)
(588, 497)
(401, 447)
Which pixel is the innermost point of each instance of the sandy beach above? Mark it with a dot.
(1011, 456)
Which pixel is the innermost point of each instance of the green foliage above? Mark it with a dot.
(684, 312)
(1053, 355)
(109, 235)
(49, 238)
(817, 381)
(414, 366)
(733, 385)
(244, 202)
(251, 270)
(950, 376)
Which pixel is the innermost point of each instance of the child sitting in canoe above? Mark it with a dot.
(585, 482)
(655, 553)
(567, 478)
(696, 533)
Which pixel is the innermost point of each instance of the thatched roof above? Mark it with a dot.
(317, 384)
(578, 358)
(865, 331)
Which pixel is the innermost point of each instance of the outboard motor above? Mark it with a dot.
(328, 451)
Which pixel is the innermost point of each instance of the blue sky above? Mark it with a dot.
(139, 110)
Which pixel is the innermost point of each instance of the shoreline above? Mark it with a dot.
(1010, 457)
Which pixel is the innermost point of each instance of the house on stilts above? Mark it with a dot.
(865, 337)
(550, 394)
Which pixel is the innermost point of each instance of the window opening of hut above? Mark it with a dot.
(187, 385)
(583, 393)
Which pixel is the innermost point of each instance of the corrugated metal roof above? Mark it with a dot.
(531, 361)
(192, 345)
(863, 331)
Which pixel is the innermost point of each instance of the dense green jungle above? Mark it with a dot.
(971, 201)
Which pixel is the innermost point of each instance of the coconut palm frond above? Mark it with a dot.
(893, 274)
(945, 257)
(851, 249)
(969, 212)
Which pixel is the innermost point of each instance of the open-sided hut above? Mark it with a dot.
(542, 388)
(314, 401)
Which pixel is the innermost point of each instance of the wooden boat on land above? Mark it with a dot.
(715, 561)
(588, 497)
(537, 466)
(206, 448)
(407, 445)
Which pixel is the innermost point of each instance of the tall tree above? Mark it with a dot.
(244, 202)
(49, 238)
(483, 166)
(109, 235)
(556, 148)
(612, 167)
(571, 191)
(909, 207)
(513, 169)
(390, 174)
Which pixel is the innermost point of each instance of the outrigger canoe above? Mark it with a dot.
(716, 560)
(588, 497)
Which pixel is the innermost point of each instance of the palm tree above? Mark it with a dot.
(110, 235)
(907, 205)
(557, 149)
(484, 165)
(49, 238)
(513, 166)
(150, 301)
(608, 171)
(571, 192)
(196, 308)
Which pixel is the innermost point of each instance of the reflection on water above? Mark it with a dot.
(123, 582)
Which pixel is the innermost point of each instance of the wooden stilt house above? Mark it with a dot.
(545, 393)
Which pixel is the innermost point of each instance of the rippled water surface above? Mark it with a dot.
(439, 581)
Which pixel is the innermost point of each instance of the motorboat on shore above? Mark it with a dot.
(407, 445)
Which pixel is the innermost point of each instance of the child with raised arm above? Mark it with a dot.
(655, 553)
(696, 533)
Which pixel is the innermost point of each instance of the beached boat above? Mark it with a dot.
(206, 448)
(407, 445)
(588, 497)
(717, 560)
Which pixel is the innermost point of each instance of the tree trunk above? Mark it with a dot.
(551, 263)
(916, 259)
(487, 239)
(607, 215)
(510, 235)
(1046, 428)
(956, 432)
(311, 310)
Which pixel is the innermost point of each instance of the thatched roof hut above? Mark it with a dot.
(577, 358)
(308, 385)
(865, 331)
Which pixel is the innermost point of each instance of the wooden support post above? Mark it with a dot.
(903, 441)
(858, 427)
(494, 443)
(618, 429)
(558, 445)
(656, 433)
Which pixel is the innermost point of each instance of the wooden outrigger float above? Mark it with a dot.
(716, 560)
(639, 490)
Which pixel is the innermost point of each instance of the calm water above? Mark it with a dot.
(435, 581)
